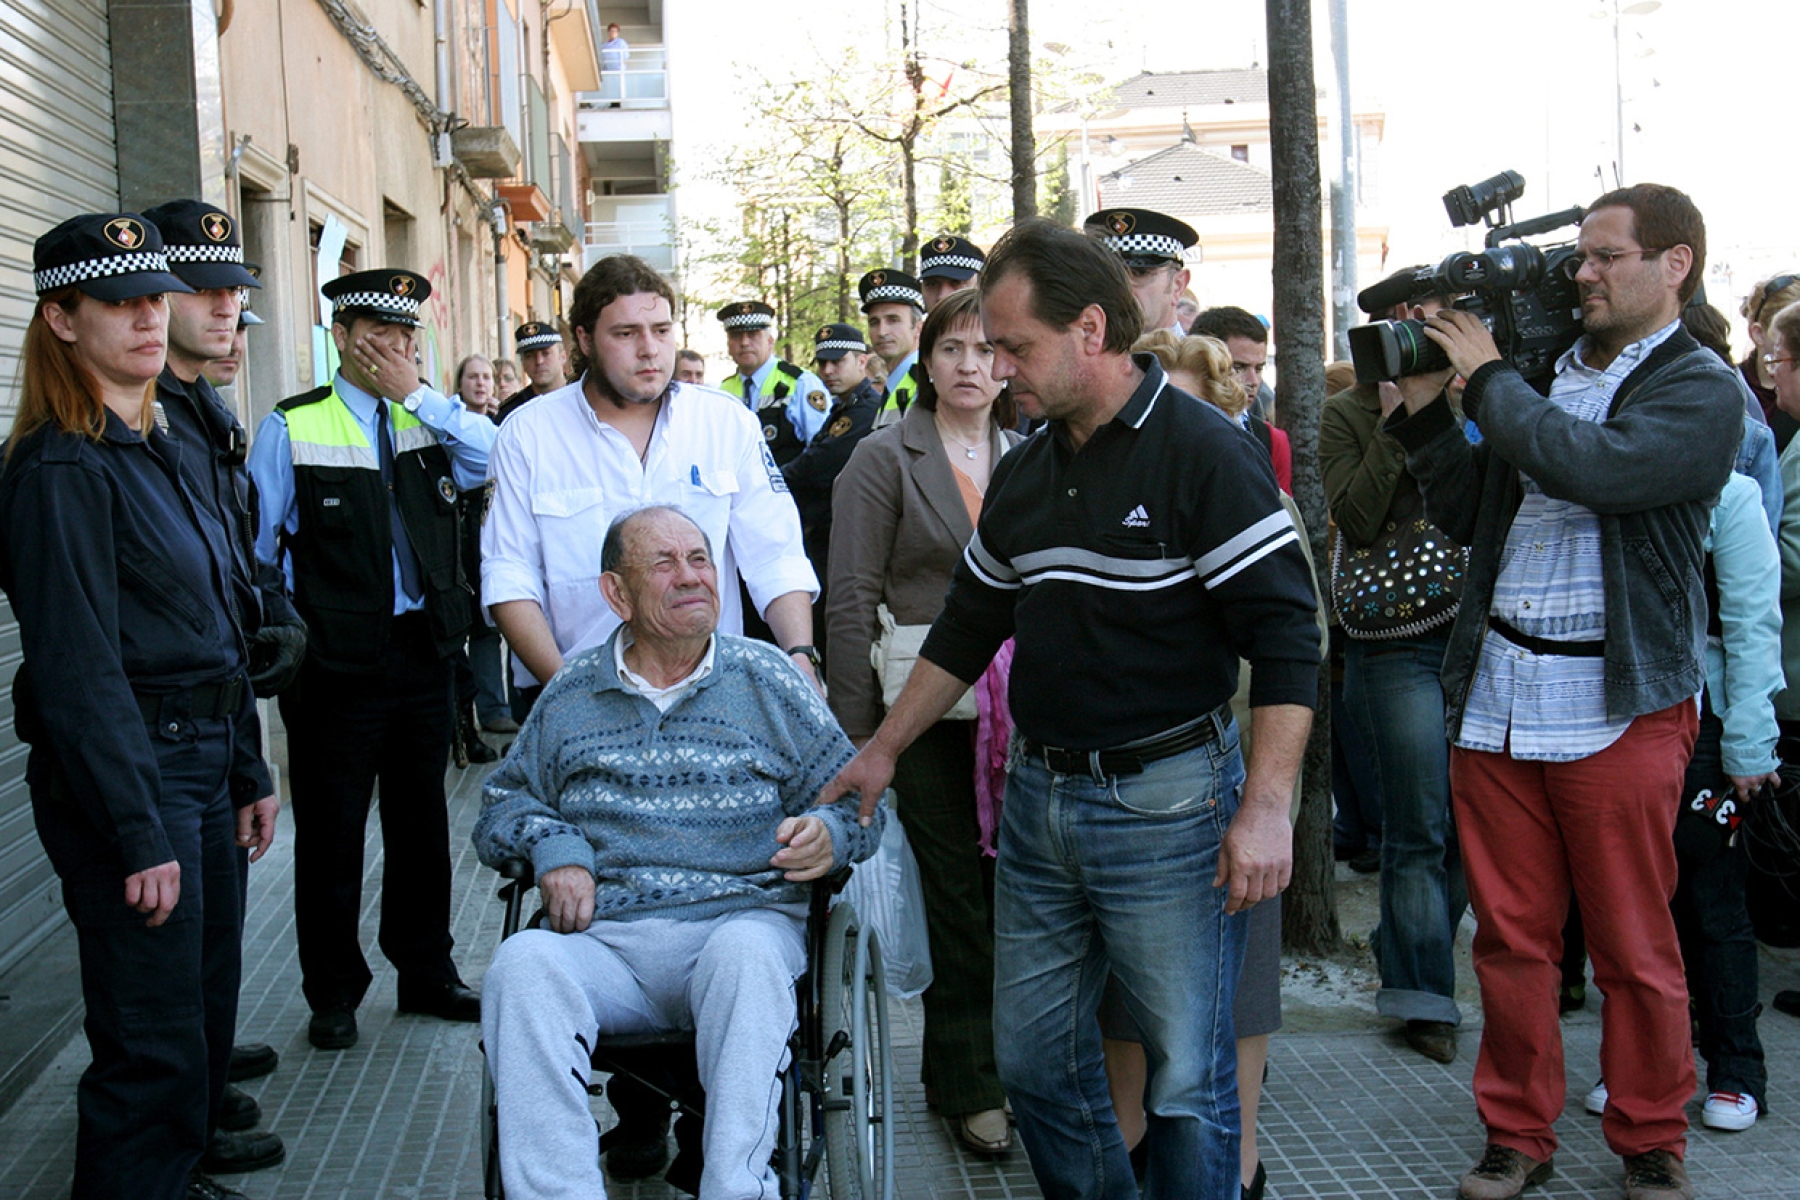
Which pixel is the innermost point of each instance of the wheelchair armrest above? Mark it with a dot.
(518, 869)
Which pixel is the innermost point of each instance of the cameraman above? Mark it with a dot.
(1571, 674)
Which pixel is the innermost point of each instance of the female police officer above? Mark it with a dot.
(134, 698)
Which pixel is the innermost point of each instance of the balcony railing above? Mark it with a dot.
(649, 240)
(644, 83)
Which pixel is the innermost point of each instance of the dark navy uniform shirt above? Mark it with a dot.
(810, 475)
(119, 579)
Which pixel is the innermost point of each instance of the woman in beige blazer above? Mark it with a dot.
(902, 511)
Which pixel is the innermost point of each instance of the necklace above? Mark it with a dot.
(968, 450)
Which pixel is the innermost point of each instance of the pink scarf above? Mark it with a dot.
(993, 730)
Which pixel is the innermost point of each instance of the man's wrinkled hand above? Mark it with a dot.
(805, 848)
(1746, 785)
(256, 826)
(568, 895)
(868, 775)
(155, 890)
(1256, 860)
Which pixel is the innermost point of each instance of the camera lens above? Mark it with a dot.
(1392, 349)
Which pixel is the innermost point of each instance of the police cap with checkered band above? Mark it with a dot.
(890, 287)
(1141, 237)
(948, 257)
(109, 256)
(388, 294)
(832, 342)
(202, 244)
(535, 335)
(747, 314)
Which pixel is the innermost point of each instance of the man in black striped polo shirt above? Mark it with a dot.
(1135, 548)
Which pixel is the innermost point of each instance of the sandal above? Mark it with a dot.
(985, 1132)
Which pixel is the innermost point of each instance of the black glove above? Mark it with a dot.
(276, 652)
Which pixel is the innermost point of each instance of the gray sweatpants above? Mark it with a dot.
(730, 979)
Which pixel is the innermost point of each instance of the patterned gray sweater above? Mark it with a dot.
(675, 814)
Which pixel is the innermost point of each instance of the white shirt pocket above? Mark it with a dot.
(572, 525)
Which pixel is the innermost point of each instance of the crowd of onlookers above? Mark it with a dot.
(982, 527)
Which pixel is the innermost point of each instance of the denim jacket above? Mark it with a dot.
(1651, 471)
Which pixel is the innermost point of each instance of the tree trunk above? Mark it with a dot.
(1309, 914)
(1024, 140)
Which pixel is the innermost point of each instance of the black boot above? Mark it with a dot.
(469, 746)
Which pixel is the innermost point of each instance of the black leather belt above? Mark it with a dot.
(206, 701)
(1129, 759)
(1538, 645)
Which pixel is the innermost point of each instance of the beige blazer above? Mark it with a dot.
(898, 528)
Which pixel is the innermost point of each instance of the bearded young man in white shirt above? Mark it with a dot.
(619, 437)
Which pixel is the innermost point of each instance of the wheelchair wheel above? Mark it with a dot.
(858, 1074)
(491, 1187)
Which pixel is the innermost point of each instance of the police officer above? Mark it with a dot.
(790, 403)
(544, 359)
(894, 304)
(147, 784)
(948, 264)
(842, 360)
(1154, 249)
(358, 481)
(201, 243)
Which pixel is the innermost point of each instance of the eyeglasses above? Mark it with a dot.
(1771, 361)
(1603, 260)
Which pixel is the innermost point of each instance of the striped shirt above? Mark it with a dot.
(1552, 706)
(1134, 573)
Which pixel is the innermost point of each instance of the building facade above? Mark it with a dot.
(438, 135)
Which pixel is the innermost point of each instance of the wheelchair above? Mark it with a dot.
(837, 1089)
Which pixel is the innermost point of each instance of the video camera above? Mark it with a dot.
(1524, 294)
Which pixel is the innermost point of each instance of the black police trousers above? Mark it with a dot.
(161, 1003)
(346, 732)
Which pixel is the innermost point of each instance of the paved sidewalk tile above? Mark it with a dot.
(1344, 1114)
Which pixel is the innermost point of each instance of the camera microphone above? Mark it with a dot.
(1399, 288)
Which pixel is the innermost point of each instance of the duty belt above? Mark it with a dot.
(1538, 645)
(1132, 757)
(206, 701)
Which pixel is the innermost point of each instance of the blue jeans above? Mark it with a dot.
(1395, 687)
(1354, 790)
(1100, 872)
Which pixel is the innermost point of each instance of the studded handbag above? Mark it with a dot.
(1407, 581)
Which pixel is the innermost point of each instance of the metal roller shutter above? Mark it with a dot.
(57, 158)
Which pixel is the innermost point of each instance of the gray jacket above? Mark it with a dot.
(1651, 471)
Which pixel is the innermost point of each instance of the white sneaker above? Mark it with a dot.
(1596, 1099)
(1732, 1111)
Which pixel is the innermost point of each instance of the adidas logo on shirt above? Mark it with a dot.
(1137, 518)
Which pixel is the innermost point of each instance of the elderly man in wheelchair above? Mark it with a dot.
(662, 791)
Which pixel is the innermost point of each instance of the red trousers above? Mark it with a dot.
(1604, 826)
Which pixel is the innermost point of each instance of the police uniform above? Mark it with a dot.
(894, 287)
(202, 246)
(789, 403)
(532, 335)
(359, 502)
(134, 699)
(950, 257)
(1144, 239)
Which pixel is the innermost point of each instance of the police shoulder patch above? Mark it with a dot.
(838, 428)
(819, 400)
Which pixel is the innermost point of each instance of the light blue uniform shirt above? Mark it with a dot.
(465, 435)
(801, 414)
